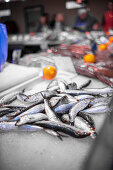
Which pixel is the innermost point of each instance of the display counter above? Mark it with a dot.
(39, 150)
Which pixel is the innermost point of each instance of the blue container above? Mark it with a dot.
(3, 45)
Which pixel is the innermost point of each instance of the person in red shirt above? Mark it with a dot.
(108, 17)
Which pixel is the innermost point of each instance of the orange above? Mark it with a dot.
(102, 47)
(89, 58)
(49, 72)
(111, 39)
(108, 43)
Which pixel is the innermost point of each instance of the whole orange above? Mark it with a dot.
(49, 72)
(102, 47)
(89, 58)
(111, 39)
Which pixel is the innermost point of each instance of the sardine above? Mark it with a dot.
(80, 123)
(61, 127)
(100, 99)
(82, 97)
(49, 112)
(30, 110)
(10, 126)
(87, 118)
(64, 108)
(98, 109)
(9, 98)
(107, 90)
(26, 119)
(37, 97)
(77, 108)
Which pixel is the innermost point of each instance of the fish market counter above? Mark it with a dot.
(24, 150)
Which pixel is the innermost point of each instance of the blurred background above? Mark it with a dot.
(25, 12)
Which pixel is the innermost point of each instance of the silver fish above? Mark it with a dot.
(61, 127)
(33, 110)
(100, 104)
(37, 97)
(80, 123)
(98, 109)
(82, 97)
(107, 90)
(100, 99)
(26, 119)
(87, 118)
(64, 108)
(49, 112)
(10, 126)
(9, 98)
(70, 98)
(77, 108)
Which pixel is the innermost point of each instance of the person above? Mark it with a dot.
(85, 21)
(108, 17)
(43, 24)
(58, 22)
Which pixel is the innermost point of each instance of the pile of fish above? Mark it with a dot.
(62, 109)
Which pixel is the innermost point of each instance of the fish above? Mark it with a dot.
(49, 112)
(77, 108)
(106, 90)
(100, 104)
(9, 98)
(87, 118)
(30, 110)
(9, 111)
(87, 83)
(64, 108)
(10, 126)
(98, 109)
(31, 118)
(80, 123)
(82, 97)
(37, 97)
(61, 127)
(100, 99)
(69, 97)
